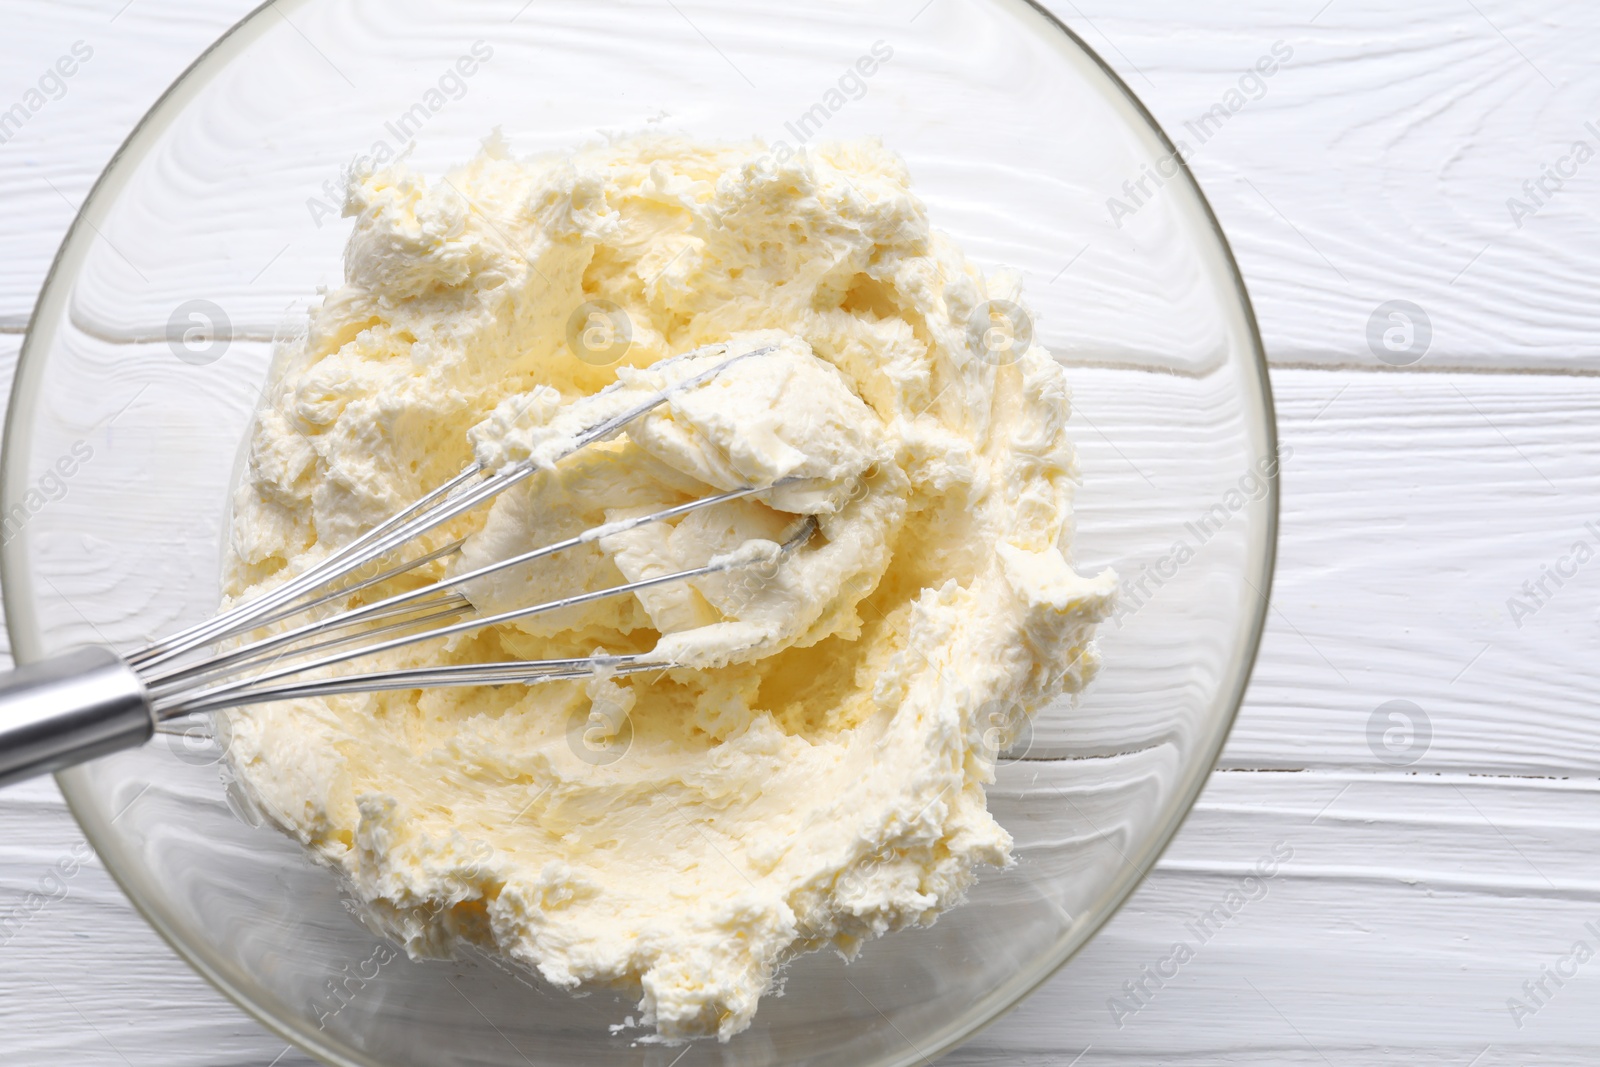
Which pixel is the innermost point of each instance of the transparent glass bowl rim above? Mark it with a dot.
(16, 585)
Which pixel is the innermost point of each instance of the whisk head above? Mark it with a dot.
(218, 664)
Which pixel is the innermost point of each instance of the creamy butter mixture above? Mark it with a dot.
(808, 767)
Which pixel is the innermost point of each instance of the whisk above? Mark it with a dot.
(93, 701)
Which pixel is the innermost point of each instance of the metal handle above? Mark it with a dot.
(67, 709)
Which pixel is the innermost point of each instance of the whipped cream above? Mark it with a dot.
(808, 768)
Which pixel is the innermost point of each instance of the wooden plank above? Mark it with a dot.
(1303, 178)
(1376, 164)
(1408, 911)
(83, 979)
(1414, 508)
(135, 51)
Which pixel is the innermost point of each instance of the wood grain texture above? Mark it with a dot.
(1410, 910)
(48, 165)
(1414, 508)
(1382, 938)
(83, 980)
(1376, 164)
(1419, 897)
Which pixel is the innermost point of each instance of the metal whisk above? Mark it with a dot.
(93, 701)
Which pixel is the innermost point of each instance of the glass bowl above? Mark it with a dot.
(210, 232)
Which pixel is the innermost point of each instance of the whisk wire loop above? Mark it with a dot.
(187, 674)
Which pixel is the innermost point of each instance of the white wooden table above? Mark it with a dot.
(1379, 165)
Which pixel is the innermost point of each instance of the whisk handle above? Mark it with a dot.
(67, 709)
